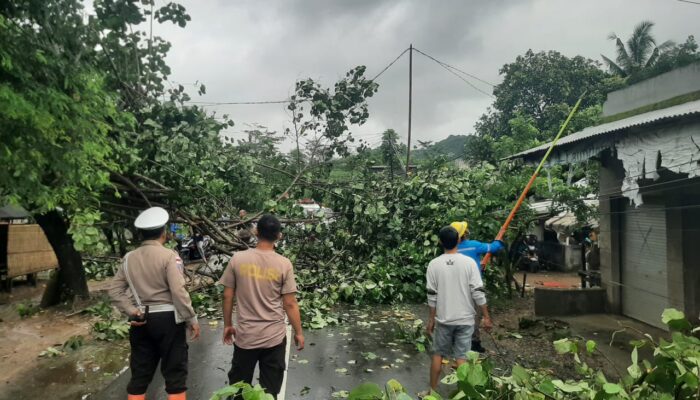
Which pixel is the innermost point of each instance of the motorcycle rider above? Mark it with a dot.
(475, 249)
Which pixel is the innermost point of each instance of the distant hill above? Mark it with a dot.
(453, 145)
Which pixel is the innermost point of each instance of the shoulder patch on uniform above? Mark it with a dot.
(180, 265)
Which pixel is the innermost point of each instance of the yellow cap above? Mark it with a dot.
(461, 227)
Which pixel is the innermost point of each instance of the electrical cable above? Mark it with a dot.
(467, 82)
(389, 66)
(222, 103)
(663, 166)
(454, 68)
(219, 103)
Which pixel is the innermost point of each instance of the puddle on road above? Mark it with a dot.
(73, 376)
(371, 344)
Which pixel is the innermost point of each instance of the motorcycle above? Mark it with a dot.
(529, 259)
(195, 248)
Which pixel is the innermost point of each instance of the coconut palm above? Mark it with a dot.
(641, 51)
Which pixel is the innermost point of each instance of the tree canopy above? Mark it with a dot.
(543, 86)
(641, 57)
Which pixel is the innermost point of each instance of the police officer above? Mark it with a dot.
(150, 288)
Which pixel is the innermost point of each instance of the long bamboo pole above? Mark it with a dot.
(515, 209)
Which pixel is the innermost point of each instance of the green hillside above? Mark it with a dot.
(453, 145)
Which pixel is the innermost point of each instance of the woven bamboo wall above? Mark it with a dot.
(28, 251)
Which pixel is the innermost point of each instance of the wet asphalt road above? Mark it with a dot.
(335, 359)
(209, 361)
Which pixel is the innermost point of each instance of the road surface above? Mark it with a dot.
(335, 360)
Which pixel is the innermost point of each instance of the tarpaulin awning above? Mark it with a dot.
(566, 222)
(13, 212)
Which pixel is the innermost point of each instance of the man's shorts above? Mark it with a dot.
(453, 341)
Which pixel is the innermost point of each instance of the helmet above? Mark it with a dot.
(152, 218)
(462, 227)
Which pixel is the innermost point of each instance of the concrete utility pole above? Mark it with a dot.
(410, 99)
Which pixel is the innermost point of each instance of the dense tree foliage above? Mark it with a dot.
(641, 57)
(56, 115)
(543, 86)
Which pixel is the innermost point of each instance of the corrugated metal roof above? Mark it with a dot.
(692, 107)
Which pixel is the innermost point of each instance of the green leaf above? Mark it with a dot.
(225, 393)
(369, 356)
(546, 387)
(563, 346)
(590, 346)
(366, 391)
(566, 387)
(520, 374)
(675, 319)
(612, 388)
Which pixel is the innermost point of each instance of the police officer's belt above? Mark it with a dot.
(160, 308)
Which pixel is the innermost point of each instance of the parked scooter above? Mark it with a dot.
(195, 248)
(529, 258)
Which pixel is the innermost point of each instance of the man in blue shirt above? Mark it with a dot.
(475, 249)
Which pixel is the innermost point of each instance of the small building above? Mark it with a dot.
(24, 249)
(561, 235)
(648, 147)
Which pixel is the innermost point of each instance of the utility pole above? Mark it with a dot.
(410, 99)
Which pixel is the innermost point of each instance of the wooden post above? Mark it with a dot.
(410, 100)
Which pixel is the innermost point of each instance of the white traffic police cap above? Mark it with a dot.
(152, 218)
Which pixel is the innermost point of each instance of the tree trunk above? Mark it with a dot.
(109, 234)
(69, 281)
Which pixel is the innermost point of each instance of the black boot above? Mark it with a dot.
(476, 346)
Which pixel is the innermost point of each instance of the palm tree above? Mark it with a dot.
(641, 51)
(390, 152)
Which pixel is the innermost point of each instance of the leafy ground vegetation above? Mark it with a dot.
(672, 373)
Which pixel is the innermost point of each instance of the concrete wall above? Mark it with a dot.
(680, 197)
(611, 174)
(674, 250)
(559, 302)
(665, 86)
(691, 251)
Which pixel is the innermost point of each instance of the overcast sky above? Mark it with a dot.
(255, 50)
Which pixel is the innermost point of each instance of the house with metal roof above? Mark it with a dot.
(648, 147)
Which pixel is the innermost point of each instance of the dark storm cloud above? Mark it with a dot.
(256, 50)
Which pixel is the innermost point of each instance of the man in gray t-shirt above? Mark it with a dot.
(263, 285)
(454, 290)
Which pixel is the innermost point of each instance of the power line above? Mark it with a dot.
(215, 103)
(389, 66)
(457, 75)
(691, 2)
(455, 68)
(220, 103)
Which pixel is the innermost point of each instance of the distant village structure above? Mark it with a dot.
(648, 147)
